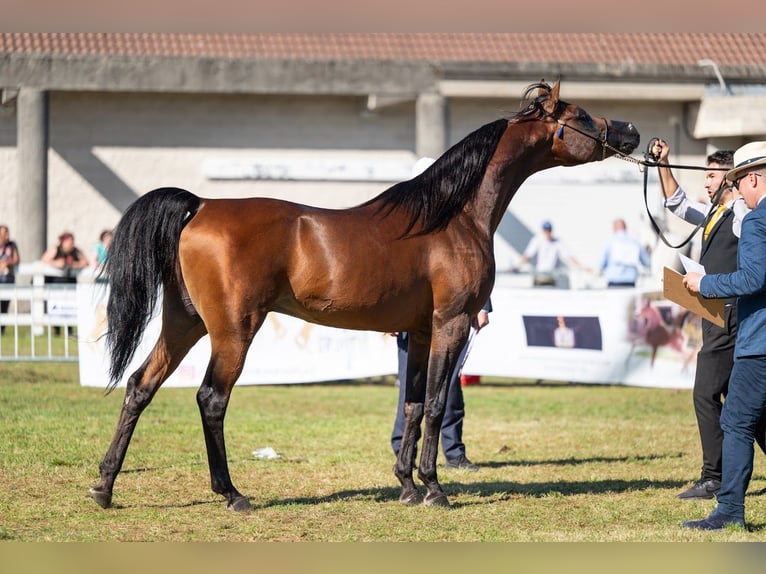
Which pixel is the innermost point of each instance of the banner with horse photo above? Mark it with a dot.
(606, 336)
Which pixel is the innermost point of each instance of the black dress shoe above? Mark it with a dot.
(462, 463)
(701, 489)
(716, 521)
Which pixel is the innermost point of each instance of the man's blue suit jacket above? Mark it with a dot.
(748, 283)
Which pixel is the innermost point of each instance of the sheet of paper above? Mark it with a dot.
(691, 265)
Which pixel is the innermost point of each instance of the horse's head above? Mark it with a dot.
(577, 137)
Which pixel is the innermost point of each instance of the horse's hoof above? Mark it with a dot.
(437, 500)
(104, 499)
(240, 504)
(411, 498)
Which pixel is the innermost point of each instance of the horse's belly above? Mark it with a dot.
(382, 314)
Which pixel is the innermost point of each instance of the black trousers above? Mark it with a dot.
(6, 303)
(711, 384)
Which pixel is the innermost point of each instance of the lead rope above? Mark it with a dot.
(642, 165)
(645, 163)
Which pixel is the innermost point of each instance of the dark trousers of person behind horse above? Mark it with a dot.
(5, 303)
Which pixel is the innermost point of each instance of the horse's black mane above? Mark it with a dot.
(438, 194)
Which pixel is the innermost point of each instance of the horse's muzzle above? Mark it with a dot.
(623, 136)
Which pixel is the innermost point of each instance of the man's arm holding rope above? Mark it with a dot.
(676, 199)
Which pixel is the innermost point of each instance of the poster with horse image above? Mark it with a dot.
(602, 336)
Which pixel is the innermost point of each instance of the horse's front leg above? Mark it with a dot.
(447, 343)
(413, 415)
(434, 414)
(414, 397)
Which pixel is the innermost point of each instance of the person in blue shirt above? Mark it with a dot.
(746, 398)
(622, 257)
(101, 249)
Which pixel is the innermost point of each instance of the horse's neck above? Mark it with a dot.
(520, 153)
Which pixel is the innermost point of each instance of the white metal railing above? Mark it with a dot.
(41, 319)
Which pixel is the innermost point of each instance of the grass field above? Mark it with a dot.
(559, 462)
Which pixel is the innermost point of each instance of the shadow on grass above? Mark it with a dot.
(575, 461)
(498, 491)
(501, 490)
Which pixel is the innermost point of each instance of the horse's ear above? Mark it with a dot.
(542, 90)
(554, 97)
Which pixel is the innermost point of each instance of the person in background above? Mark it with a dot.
(563, 335)
(101, 250)
(9, 259)
(548, 254)
(622, 257)
(67, 257)
(746, 397)
(718, 254)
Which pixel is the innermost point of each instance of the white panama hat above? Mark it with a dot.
(747, 157)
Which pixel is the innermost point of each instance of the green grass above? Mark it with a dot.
(559, 463)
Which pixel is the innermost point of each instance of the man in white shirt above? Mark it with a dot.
(547, 253)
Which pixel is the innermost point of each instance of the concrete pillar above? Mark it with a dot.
(32, 198)
(430, 125)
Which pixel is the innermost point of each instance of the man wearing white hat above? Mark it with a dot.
(747, 387)
(718, 254)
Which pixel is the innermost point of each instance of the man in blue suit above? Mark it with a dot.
(747, 386)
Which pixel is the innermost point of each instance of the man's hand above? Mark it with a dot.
(661, 150)
(480, 321)
(692, 281)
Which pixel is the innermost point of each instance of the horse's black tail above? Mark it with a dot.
(142, 257)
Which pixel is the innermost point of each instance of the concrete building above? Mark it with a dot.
(89, 122)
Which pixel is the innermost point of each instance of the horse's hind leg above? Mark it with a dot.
(175, 340)
(226, 362)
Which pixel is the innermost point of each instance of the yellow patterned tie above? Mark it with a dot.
(711, 222)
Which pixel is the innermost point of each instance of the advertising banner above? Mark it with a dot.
(608, 336)
(603, 336)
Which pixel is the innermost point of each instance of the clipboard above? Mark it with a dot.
(673, 289)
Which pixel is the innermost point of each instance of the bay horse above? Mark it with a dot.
(418, 258)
